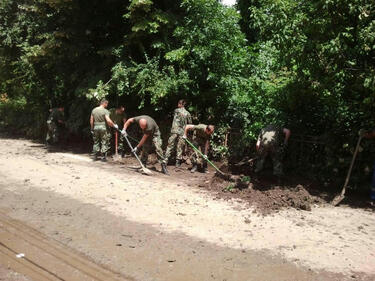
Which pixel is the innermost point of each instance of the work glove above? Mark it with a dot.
(258, 145)
(362, 132)
(205, 157)
(184, 137)
(134, 150)
(124, 133)
(115, 126)
(92, 132)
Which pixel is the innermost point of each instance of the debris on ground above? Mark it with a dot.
(268, 200)
(262, 193)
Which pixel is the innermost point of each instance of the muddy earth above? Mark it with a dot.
(266, 201)
(182, 227)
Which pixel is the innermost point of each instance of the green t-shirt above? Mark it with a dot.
(199, 131)
(56, 115)
(151, 128)
(116, 117)
(99, 114)
(181, 118)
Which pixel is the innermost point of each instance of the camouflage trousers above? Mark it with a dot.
(155, 141)
(175, 141)
(101, 137)
(276, 155)
(196, 158)
(53, 133)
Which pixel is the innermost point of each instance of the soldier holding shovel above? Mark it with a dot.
(201, 140)
(272, 142)
(151, 136)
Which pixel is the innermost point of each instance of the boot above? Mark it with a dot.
(104, 159)
(205, 169)
(164, 169)
(122, 153)
(96, 157)
(178, 163)
(194, 169)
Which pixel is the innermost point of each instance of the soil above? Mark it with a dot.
(181, 227)
(262, 192)
(266, 201)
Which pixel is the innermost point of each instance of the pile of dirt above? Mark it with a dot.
(268, 200)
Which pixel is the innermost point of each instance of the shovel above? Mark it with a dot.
(225, 176)
(341, 196)
(116, 157)
(245, 162)
(144, 169)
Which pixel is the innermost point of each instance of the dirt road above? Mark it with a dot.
(9, 275)
(45, 259)
(165, 228)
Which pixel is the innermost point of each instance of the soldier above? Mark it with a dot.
(99, 122)
(272, 141)
(55, 122)
(201, 139)
(118, 116)
(151, 135)
(181, 118)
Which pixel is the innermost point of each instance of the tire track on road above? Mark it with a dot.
(46, 259)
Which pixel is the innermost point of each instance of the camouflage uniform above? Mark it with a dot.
(154, 138)
(271, 139)
(119, 120)
(199, 140)
(54, 127)
(101, 134)
(181, 118)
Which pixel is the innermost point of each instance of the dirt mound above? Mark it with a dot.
(278, 197)
(268, 200)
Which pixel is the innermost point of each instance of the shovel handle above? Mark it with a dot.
(134, 153)
(116, 142)
(351, 166)
(131, 147)
(201, 154)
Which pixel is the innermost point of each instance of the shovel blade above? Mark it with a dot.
(116, 157)
(224, 176)
(337, 200)
(147, 172)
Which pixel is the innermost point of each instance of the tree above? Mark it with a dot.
(247, 23)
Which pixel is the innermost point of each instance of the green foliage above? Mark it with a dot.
(146, 81)
(307, 65)
(229, 188)
(218, 148)
(246, 179)
(18, 117)
(247, 21)
(325, 47)
(325, 52)
(212, 51)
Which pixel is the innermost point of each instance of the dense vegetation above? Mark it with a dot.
(309, 65)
